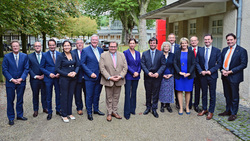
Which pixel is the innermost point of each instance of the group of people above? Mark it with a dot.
(167, 74)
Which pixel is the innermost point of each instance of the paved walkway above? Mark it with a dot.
(169, 126)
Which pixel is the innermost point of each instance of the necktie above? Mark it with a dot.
(38, 58)
(228, 56)
(206, 59)
(53, 57)
(153, 57)
(114, 60)
(195, 52)
(16, 59)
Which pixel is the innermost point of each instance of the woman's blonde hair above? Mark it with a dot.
(184, 39)
(164, 44)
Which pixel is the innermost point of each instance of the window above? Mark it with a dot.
(137, 37)
(15, 37)
(217, 27)
(100, 37)
(118, 37)
(192, 28)
(112, 37)
(105, 37)
(176, 31)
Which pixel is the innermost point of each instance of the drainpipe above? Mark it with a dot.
(239, 19)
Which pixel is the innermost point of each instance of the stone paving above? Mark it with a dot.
(241, 126)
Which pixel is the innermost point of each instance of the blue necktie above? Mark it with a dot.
(153, 57)
(206, 59)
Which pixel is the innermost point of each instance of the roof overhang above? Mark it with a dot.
(178, 7)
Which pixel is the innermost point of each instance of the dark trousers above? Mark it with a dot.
(67, 88)
(208, 83)
(80, 86)
(36, 87)
(93, 91)
(231, 93)
(152, 86)
(18, 90)
(49, 87)
(130, 97)
(197, 89)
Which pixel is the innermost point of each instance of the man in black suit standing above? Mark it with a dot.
(153, 64)
(197, 83)
(80, 85)
(36, 79)
(235, 60)
(208, 63)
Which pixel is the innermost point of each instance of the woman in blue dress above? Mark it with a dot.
(184, 64)
(166, 94)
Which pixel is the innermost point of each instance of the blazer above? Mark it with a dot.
(10, 70)
(238, 63)
(176, 47)
(64, 66)
(214, 62)
(80, 72)
(107, 68)
(170, 63)
(89, 63)
(158, 66)
(134, 65)
(190, 65)
(198, 47)
(34, 66)
(47, 65)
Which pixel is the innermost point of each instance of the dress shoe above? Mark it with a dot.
(65, 119)
(79, 112)
(49, 116)
(35, 114)
(155, 113)
(72, 117)
(225, 113)
(21, 118)
(162, 109)
(203, 112)
(116, 116)
(180, 113)
(45, 111)
(169, 109)
(11, 122)
(188, 113)
(59, 113)
(209, 116)
(99, 113)
(232, 118)
(146, 111)
(90, 117)
(109, 118)
(197, 109)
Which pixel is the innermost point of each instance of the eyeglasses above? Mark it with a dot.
(112, 46)
(66, 46)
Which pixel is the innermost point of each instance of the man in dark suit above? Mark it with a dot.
(174, 48)
(47, 66)
(153, 64)
(235, 60)
(15, 69)
(194, 46)
(208, 63)
(36, 79)
(80, 85)
(90, 64)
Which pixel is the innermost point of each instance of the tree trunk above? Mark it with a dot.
(44, 41)
(123, 36)
(1, 43)
(24, 42)
(142, 35)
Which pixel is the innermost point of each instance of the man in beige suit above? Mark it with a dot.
(113, 67)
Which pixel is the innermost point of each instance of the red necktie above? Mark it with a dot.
(195, 52)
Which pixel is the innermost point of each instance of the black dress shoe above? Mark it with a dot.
(11, 122)
(21, 118)
(90, 117)
(146, 111)
(59, 113)
(35, 114)
(99, 113)
(49, 116)
(197, 109)
(45, 111)
(169, 109)
(155, 113)
(162, 107)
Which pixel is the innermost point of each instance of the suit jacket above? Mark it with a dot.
(64, 66)
(134, 65)
(80, 72)
(34, 66)
(238, 63)
(107, 68)
(190, 65)
(196, 70)
(10, 70)
(214, 62)
(89, 63)
(158, 66)
(170, 63)
(47, 65)
(176, 47)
